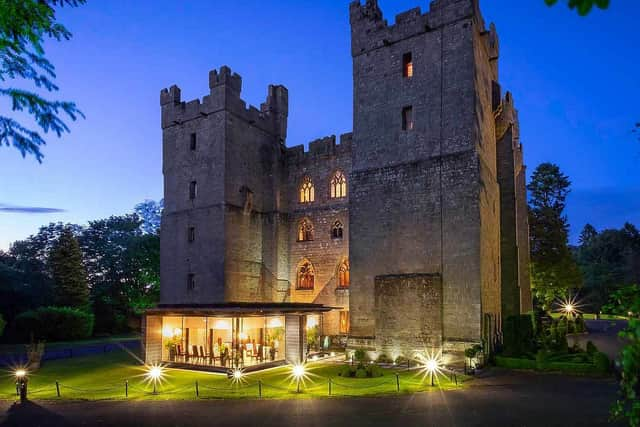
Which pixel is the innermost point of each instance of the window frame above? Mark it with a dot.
(193, 190)
(306, 190)
(408, 122)
(337, 225)
(191, 281)
(193, 143)
(338, 185)
(407, 65)
(310, 270)
(305, 231)
(344, 277)
(191, 234)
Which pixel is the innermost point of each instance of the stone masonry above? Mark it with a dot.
(432, 248)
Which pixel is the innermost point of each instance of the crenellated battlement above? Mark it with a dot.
(225, 88)
(325, 146)
(369, 29)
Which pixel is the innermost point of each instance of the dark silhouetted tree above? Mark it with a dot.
(553, 268)
(587, 234)
(24, 25)
(68, 272)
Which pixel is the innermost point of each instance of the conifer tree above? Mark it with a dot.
(69, 274)
(554, 271)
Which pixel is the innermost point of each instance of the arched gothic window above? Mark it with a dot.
(336, 230)
(305, 230)
(343, 275)
(307, 191)
(306, 275)
(338, 185)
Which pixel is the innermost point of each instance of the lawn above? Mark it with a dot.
(591, 316)
(103, 377)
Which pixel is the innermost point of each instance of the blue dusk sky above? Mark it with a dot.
(575, 81)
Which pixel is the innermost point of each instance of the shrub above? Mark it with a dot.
(2, 325)
(519, 338)
(515, 363)
(346, 371)
(374, 371)
(601, 362)
(54, 324)
(360, 355)
(361, 373)
(591, 347)
(580, 325)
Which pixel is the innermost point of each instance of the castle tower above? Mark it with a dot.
(424, 211)
(223, 238)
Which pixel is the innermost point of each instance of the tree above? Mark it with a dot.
(609, 261)
(150, 213)
(69, 274)
(628, 403)
(554, 270)
(24, 24)
(583, 7)
(587, 235)
(2, 325)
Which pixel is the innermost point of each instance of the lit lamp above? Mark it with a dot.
(237, 376)
(21, 383)
(154, 374)
(298, 372)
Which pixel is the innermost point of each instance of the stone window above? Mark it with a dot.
(191, 281)
(305, 230)
(192, 142)
(338, 185)
(407, 65)
(191, 234)
(343, 275)
(306, 275)
(193, 190)
(344, 322)
(336, 230)
(307, 191)
(407, 118)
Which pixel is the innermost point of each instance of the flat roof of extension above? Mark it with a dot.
(240, 308)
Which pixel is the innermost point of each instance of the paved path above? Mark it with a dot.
(501, 398)
(604, 334)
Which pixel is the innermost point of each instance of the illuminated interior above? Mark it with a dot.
(231, 342)
(307, 191)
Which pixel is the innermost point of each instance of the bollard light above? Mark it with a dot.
(20, 373)
(237, 376)
(299, 373)
(155, 374)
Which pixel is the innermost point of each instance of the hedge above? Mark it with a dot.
(53, 324)
(519, 335)
(599, 366)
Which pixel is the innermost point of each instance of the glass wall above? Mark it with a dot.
(223, 341)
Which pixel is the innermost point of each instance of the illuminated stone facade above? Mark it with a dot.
(435, 192)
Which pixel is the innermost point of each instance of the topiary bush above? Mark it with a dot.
(383, 358)
(53, 324)
(361, 373)
(346, 371)
(601, 362)
(374, 371)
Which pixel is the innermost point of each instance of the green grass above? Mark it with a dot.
(103, 377)
(20, 348)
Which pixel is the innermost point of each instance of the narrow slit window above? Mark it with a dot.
(192, 234)
(192, 142)
(191, 281)
(407, 118)
(407, 65)
(193, 190)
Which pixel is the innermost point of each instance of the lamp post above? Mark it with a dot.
(21, 384)
(298, 372)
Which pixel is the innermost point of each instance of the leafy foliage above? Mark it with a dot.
(519, 337)
(150, 213)
(554, 271)
(628, 403)
(583, 7)
(609, 260)
(54, 324)
(24, 25)
(2, 325)
(622, 301)
(122, 265)
(68, 272)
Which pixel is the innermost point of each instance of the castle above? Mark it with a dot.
(409, 233)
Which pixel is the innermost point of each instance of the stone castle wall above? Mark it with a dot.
(434, 218)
